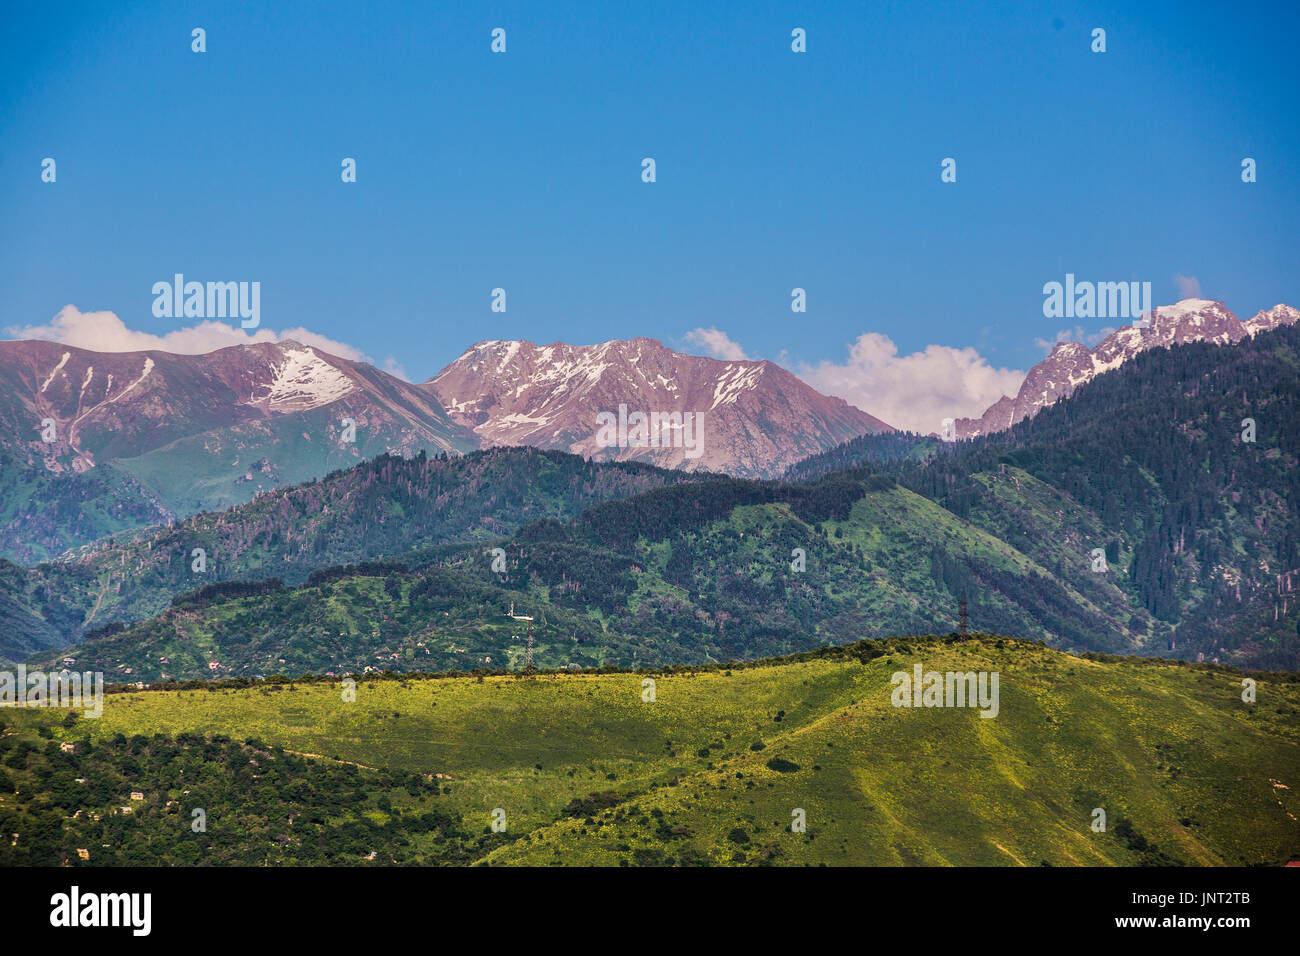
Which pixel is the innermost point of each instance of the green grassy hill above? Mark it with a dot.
(43, 513)
(588, 772)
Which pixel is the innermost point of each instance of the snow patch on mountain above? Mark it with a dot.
(109, 399)
(1188, 307)
(148, 367)
(304, 380)
(62, 362)
(760, 418)
(1071, 364)
(734, 381)
(1267, 319)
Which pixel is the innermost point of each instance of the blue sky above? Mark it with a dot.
(774, 169)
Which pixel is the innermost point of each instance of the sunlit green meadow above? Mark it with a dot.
(1186, 772)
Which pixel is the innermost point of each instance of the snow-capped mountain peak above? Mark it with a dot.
(757, 418)
(1071, 364)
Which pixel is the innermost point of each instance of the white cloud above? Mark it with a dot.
(1076, 334)
(719, 344)
(1189, 287)
(105, 332)
(914, 392)
(394, 368)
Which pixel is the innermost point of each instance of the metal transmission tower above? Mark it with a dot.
(961, 613)
(529, 669)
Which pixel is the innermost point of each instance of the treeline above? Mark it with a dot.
(865, 450)
(664, 512)
(363, 569)
(216, 593)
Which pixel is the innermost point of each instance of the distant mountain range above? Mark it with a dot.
(119, 406)
(145, 438)
(1133, 516)
(141, 438)
(1070, 364)
(757, 418)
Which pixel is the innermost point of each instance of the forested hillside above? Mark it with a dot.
(1130, 518)
(1187, 456)
(383, 507)
(689, 574)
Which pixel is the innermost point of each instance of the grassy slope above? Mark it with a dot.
(1152, 744)
(891, 525)
(1031, 513)
(206, 472)
(1170, 748)
(338, 627)
(42, 514)
(893, 589)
